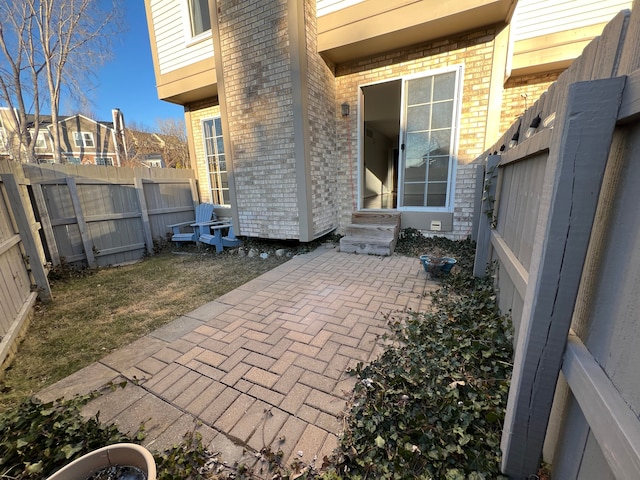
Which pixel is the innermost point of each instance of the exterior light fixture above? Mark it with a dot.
(535, 123)
(515, 138)
(345, 109)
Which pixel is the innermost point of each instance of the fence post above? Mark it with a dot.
(487, 216)
(27, 237)
(194, 192)
(82, 225)
(45, 221)
(146, 228)
(577, 159)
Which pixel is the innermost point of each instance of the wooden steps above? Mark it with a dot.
(373, 233)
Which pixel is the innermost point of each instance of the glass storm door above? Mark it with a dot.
(428, 141)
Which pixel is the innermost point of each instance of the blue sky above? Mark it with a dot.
(127, 82)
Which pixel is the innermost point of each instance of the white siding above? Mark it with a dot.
(325, 7)
(171, 27)
(533, 18)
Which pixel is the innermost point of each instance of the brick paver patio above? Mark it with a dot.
(262, 366)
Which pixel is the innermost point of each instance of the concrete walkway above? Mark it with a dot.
(263, 365)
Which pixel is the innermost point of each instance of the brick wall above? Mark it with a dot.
(199, 111)
(463, 210)
(256, 65)
(475, 51)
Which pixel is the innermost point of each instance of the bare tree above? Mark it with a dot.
(75, 38)
(20, 69)
(52, 46)
(174, 132)
(168, 140)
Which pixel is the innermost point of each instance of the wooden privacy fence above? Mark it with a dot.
(562, 218)
(80, 215)
(99, 216)
(22, 272)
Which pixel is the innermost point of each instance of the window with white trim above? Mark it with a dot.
(41, 141)
(216, 161)
(199, 20)
(69, 158)
(106, 161)
(83, 139)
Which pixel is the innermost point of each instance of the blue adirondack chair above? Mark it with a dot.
(219, 233)
(190, 231)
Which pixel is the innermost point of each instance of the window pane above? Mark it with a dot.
(442, 115)
(438, 169)
(418, 117)
(416, 148)
(441, 139)
(415, 174)
(220, 144)
(88, 140)
(437, 195)
(207, 126)
(414, 194)
(444, 86)
(419, 90)
(199, 13)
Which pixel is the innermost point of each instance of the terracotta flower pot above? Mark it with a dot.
(122, 454)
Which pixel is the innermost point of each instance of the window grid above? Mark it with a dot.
(106, 161)
(216, 161)
(83, 139)
(430, 118)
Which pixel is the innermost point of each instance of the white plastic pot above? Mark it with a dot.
(123, 454)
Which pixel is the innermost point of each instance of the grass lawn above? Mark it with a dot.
(94, 313)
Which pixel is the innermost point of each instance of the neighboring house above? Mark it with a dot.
(144, 148)
(311, 110)
(83, 140)
(155, 149)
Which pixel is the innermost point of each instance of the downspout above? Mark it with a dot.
(300, 94)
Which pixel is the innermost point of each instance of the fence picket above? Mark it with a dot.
(146, 227)
(565, 219)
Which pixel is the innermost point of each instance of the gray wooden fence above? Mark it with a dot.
(82, 216)
(22, 261)
(99, 216)
(562, 218)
